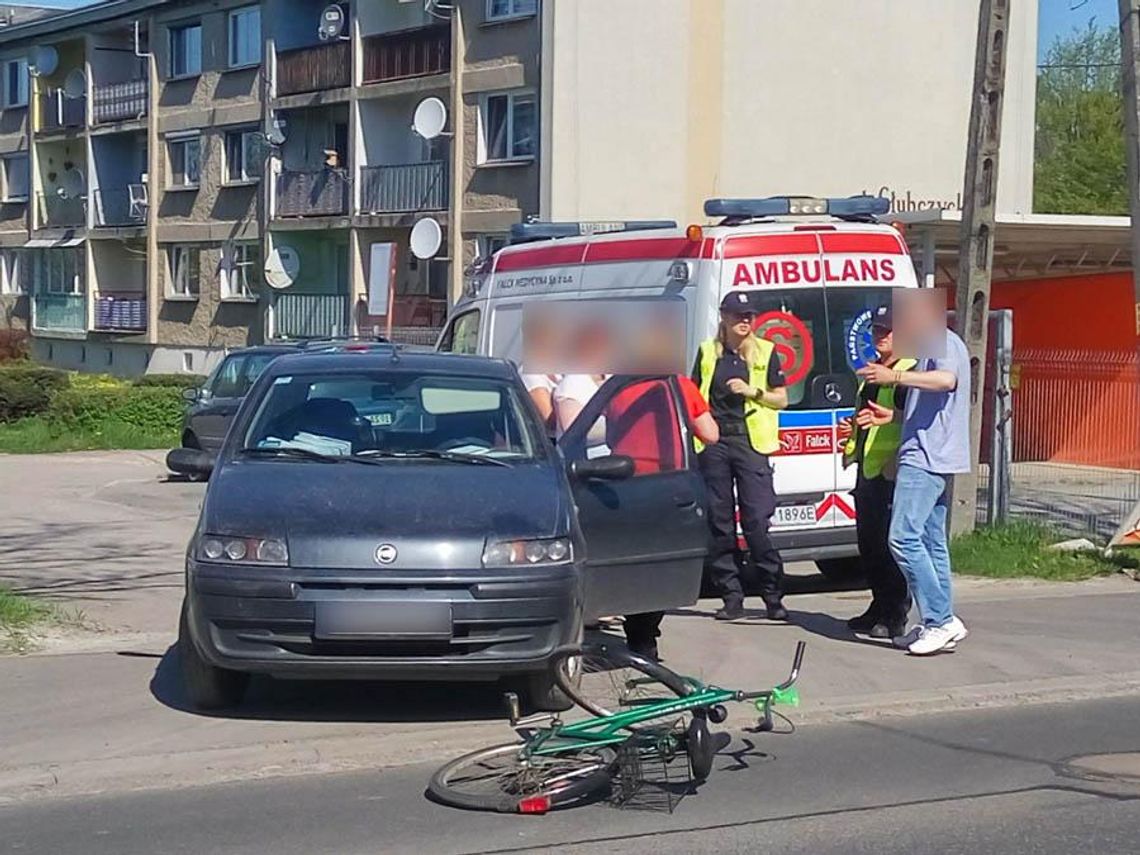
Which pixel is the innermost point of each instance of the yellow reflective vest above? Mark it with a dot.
(882, 441)
(762, 422)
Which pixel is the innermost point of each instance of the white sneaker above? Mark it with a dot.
(958, 629)
(903, 642)
(932, 639)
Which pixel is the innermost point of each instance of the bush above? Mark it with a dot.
(177, 381)
(83, 380)
(153, 410)
(13, 345)
(26, 390)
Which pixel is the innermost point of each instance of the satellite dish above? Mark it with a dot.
(75, 84)
(282, 266)
(430, 118)
(43, 60)
(332, 23)
(426, 238)
(72, 184)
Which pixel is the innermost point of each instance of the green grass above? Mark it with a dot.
(18, 615)
(37, 435)
(1020, 550)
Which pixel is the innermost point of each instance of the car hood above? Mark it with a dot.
(437, 515)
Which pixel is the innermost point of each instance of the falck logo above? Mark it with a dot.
(385, 553)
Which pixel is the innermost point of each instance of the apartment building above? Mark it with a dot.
(155, 153)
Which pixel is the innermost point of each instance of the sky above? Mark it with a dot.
(1058, 17)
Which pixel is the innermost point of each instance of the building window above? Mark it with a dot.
(16, 83)
(186, 50)
(243, 156)
(245, 36)
(57, 272)
(185, 161)
(508, 127)
(184, 271)
(12, 279)
(498, 10)
(16, 178)
(239, 271)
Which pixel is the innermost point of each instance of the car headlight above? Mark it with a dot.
(527, 553)
(227, 549)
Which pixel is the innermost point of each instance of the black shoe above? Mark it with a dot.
(866, 621)
(888, 628)
(649, 651)
(776, 610)
(731, 611)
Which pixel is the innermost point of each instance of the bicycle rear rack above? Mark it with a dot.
(648, 780)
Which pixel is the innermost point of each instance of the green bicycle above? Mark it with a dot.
(636, 705)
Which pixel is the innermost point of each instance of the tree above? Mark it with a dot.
(1080, 165)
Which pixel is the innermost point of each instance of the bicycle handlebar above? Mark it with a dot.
(797, 663)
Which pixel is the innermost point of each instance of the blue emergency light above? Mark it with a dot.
(786, 206)
(525, 232)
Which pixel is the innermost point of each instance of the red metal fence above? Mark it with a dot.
(1077, 406)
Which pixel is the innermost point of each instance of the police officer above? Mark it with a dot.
(739, 375)
(874, 448)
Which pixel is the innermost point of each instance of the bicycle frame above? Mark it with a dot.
(600, 731)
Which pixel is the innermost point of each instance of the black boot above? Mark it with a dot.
(733, 610)
(866, 621)
(775, 608)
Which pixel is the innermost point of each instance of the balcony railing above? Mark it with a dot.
(58, 212)
(407, 53)
(58, 111)
(117, 102)
(125, 311)
(67, 312)
(405, 187)
(309, 315)
(321, 193)
(313, 69)
(117, 208)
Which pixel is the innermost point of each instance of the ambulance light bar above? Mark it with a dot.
(785, 206)
(524, 232)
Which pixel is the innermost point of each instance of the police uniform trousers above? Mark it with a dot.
(734, 460)
(889, 594)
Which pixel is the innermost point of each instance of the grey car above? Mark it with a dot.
(376, 513)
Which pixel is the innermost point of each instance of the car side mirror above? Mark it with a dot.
(192, 395)
(613, 467)
(190, 461)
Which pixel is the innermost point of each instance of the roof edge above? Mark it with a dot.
(70, 19)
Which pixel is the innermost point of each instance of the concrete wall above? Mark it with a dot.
(208, 320)
(735, 97)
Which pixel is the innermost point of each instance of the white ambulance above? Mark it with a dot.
(815, 270)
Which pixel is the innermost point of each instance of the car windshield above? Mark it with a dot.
(236, 375)
(392, 415)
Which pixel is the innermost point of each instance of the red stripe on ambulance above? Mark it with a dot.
(783, 244)
(877, 243)
(556, 255)
(660, 249)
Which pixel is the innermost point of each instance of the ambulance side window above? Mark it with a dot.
(462, 334)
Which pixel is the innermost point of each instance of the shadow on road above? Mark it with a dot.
(340, 701)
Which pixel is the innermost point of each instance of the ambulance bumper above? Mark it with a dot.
(814, 543)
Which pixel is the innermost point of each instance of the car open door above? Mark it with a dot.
(645, 528)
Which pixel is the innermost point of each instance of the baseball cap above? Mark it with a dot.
(736, 301)
(882, 318)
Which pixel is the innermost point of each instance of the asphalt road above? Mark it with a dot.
(967, 782)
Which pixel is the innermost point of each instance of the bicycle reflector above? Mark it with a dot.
(534, 804)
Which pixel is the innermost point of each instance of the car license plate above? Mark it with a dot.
(383, 619)
(794, 515)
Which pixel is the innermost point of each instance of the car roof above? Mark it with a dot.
(264, 348)
(390, 358)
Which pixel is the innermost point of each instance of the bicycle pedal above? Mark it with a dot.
(514, 711)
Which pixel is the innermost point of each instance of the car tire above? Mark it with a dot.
(207, 686)
(191, 441)
(848, 569)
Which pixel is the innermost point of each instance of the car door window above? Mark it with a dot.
(462, 335)
(229, 381)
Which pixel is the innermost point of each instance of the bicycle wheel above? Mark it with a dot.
(502, 779)
(605, 679)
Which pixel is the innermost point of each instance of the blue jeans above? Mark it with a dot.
(918, 541)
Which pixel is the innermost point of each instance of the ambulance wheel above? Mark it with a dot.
(848, 569)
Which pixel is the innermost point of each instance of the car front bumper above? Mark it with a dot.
(264, 620)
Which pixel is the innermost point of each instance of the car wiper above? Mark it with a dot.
(292, 451)
(431, 454)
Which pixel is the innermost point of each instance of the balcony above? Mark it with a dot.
(119, 102)
(397, 189)
(309, 315)
(320, 193)
(125, 312)
(56, 212)
(407, 53)
(120, 207)
(58, 112)
(59, 312)
(314, 69)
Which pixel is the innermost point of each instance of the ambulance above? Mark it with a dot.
(814, 268)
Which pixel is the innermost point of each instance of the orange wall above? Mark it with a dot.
(1073, 312)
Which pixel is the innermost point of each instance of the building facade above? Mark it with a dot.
(155, 153)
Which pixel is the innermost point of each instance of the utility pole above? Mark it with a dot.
(976, 241)
(1130, 58)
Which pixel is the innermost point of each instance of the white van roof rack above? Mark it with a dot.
(855, 208)
(539, 230)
